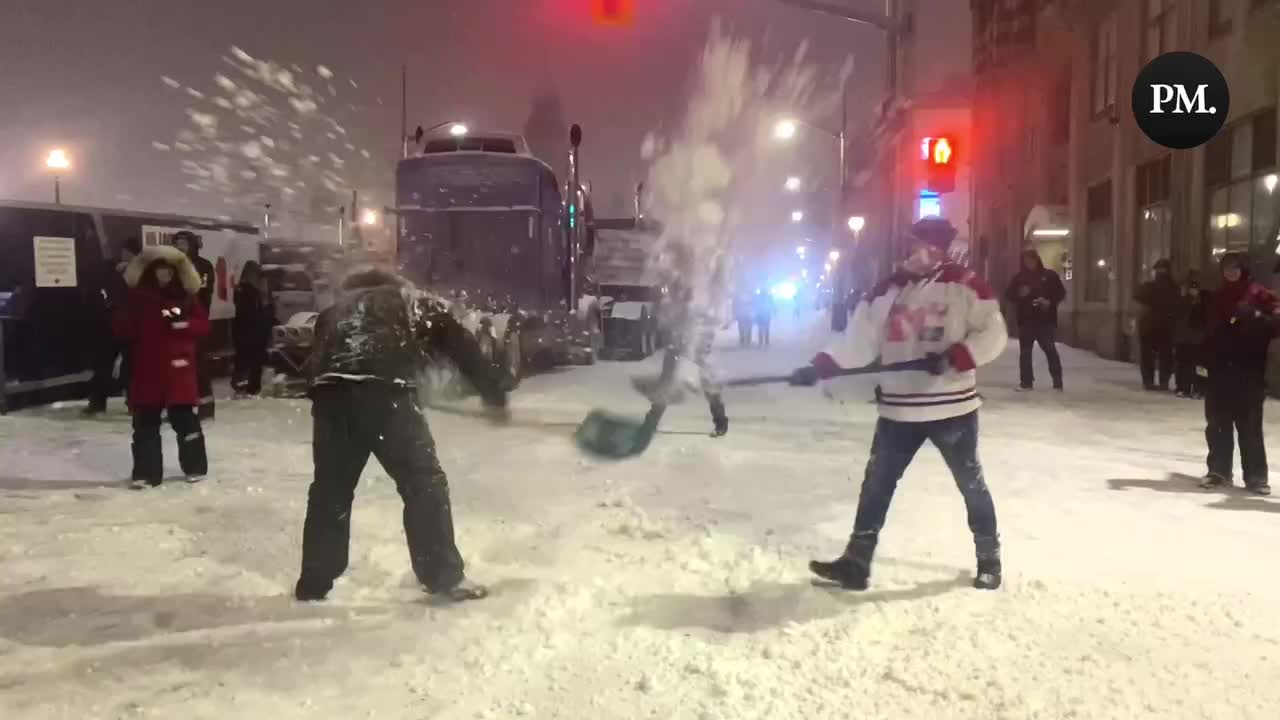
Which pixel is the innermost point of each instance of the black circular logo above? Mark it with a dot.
(1181, 100)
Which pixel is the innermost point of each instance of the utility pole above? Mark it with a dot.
(404, 111)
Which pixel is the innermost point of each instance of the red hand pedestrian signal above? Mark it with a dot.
(940, 164)
(613, 13)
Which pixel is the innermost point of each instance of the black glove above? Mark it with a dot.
(936, 363)
(806, 376)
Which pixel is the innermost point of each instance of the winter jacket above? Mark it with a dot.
(1160, 300)
(1193, 312)
(1028, 287)
(1242, 323)
(251, 328)
(381, 329)
(907, 317)
(163, 325)
(204, 270)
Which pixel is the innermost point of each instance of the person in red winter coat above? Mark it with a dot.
(163, 320)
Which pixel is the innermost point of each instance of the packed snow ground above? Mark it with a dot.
(672, 586)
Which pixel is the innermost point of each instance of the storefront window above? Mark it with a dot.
(1099, 243)
(1243, 197)
(1155, 217)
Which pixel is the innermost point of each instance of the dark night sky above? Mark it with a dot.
(85, 74)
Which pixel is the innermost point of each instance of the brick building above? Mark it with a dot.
(1060, 164)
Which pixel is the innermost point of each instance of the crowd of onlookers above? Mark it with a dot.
(1210, 344)
(156, 329)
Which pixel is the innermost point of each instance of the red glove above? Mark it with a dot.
(827, 367)
(959, 358)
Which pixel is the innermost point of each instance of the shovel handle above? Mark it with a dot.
(921, 364)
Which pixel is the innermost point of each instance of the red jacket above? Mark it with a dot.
(162, 326)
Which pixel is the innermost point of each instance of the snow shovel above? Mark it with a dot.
(614, 437)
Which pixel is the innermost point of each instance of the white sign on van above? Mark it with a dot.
(55, 261)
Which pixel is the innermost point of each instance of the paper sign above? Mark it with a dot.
(55, 261)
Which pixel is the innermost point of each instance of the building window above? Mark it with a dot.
(1155, 216)
(1104, 66)
(1161, 31)
(1243, 194)
(1099, 253)
(1220, 12)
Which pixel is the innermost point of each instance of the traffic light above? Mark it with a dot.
(613, 13)
(940, 164)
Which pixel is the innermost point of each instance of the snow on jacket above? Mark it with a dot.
(163, 325)
(383, 330)
(951, 312)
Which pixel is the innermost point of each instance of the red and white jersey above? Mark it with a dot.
(951, 312)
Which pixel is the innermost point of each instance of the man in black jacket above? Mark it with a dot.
(190, 243)
(1159, 299)
(366, 356)
(113, 293)
(1035, 293)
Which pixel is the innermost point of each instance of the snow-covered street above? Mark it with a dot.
(670, 586)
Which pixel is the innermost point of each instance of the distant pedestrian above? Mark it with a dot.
(763, 309)
(1035, 293)
(190, 244)
(743, 317)
(1159, 300)
(1242, 323)
(1188, 337)
(108, 348)
(164, 320)
(251, 329)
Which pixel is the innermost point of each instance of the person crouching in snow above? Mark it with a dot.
(368, 351)
(1242, 323)
(164, 320)
(940, 311)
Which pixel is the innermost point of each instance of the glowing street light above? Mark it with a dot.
(834, 256)
(1270, 182)
(856, 223)
(58, 161)
(369, 217)
(459, 129)
(797, 216)
(793, 184)
(801, 250)
(786, 129)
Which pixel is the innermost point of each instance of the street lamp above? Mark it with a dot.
(797, 216)
(786, 129)
(793, 184)
(801, 250)
(369, 217)
(834, 256)
(856, 223)
(458, 129)
(58, 161)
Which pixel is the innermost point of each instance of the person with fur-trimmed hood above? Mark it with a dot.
(940, 312)
(163, 320)
(368, 351)
(1243, 320)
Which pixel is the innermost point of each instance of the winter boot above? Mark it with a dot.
(462, 592)
(721, 428)
(989, 574)
(140, 484)
(844, 571)
(308, 591)
(1213, 481)
(1262, 487)
(1023, 388)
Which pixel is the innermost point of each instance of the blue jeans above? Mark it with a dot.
(894, 447)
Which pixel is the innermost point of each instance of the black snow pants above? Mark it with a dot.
(892, 450)
(148, 457)
(1157, 353)
(204, 379)
(1233, 404)
(351, 422)
(1187, 357)
(1046, 336)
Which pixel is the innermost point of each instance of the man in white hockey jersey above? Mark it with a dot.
(940, 311)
